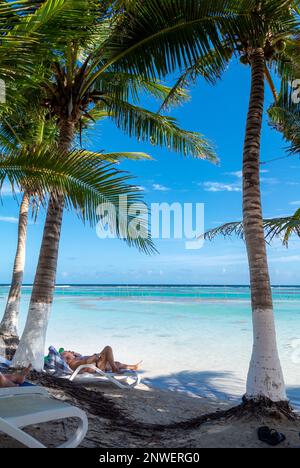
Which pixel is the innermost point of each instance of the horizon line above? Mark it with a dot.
(160, 285)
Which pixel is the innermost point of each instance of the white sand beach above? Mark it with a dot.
(146, 406)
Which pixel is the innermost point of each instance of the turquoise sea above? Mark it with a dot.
(194, 339)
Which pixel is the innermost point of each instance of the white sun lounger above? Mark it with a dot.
(24, 406)
(125, 380)
(18, 411)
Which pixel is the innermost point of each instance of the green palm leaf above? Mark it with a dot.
(127, 86)
(159, 130)
(157, 37)
(86, 182)
(116, 157)
(282, 228)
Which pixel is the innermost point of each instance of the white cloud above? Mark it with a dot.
(269, 180)
(160, 188)
(239, 174)
(295, 203)
(9, 219)
(221, 187)
(236, 186)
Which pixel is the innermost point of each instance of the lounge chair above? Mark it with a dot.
(125, 380)
(18, 411)
(27, 405)
(56, 366)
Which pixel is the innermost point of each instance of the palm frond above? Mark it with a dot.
(282, 228)
(285, 117)
(126, 86)
(210, 67)
(27, 129)
(159, 130)
(157, 37)
(226, 230)
(117, 157)
(85, 182)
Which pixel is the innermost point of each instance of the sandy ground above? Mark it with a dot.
(125, 418)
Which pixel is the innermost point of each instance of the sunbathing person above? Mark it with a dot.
(14, 380)
(104, 361)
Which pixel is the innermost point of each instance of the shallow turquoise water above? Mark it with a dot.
(192, 339)
(280, 293)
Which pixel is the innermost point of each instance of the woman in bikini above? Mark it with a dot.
(104, 361)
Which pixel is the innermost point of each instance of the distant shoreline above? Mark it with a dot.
(160, 285)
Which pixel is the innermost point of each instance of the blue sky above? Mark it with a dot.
(220, 114)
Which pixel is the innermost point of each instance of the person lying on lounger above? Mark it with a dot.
(104, 361)
(14, 380)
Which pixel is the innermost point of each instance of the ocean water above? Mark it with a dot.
(191, 339)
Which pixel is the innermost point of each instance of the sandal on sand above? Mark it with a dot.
(270, 436)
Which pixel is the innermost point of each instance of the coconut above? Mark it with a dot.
(280, 46)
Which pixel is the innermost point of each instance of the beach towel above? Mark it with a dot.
(55, 364)
(4, 363)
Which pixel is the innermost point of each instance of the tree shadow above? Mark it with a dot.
(208, 384)
(211, 384)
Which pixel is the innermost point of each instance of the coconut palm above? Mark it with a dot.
(265, 377)
(31, 133)
(9, 322)
(263, 50)
(21, 26)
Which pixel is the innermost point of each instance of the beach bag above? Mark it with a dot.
(55, 364)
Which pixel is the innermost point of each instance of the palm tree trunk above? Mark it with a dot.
(32, 344)
(265, 378)
(9, 323)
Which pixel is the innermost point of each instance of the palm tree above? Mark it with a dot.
(262, 49)
(21, 25)
(265, 377)
(31, 133)
(90, 77)
(9, 323)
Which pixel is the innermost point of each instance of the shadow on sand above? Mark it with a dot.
(209, 384)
